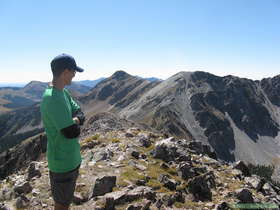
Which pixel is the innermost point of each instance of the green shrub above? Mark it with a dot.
(262, 171)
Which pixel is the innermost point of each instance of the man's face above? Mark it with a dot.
(68, 76)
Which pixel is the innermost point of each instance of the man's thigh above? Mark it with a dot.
(63, 186)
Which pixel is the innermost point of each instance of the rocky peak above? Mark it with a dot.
(271, 86)
(120, 75)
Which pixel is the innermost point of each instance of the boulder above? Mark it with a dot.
(167, 182)
(255, 182)
(166, 150)
(144, 141)
(135, 154)
(6, 194)
(185, 170)
(134, 207)
(103, 154)
(33, 170)
(128, 195)
(200, 186)
(129, 134)
(168, 200)
(3, 207)
(22, 202)
(104, 185)
(244, 196)
(268, 190)
(23, 188)
(240, 165)
(222, 206)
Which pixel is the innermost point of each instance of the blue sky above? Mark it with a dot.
(142, 37)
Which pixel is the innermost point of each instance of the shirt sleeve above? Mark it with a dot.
(73, 103)
(59, 114)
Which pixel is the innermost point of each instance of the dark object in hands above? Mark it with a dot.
(80, 115)
(73, 131)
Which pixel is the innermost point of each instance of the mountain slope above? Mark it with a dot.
(233, 115)
(115, 93)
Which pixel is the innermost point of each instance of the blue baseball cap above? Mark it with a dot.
(64, 61)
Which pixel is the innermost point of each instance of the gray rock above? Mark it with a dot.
(211, 162)
(146, 204)
(240, 165)
(144, 141)
(268, 190)
(23, 188)
(196, 146)
(6, 194)
(222, 206)
(143, 156)
(3, 207)
(183, 158)
(255, 182)
(244, 196)
(128, 195)
(167, 182)
(135, 154)
(208, 151)
(129, 134)
(166, 150)
(104, 154)
(78, 199)
(199, 170)
(185, 171)
(141, 182)
(179, 197)
(237, 174)
(109, 204)
(134, 207)
(136, 165)
(22, 202)
(164, 166)
(104, 185)
(200, 187)
(168, 200)
(33, 170)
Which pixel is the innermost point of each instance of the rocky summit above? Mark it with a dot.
(129, 166)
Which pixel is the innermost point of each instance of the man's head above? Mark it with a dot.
(64, 66)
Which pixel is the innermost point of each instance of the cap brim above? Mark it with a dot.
(79, 69)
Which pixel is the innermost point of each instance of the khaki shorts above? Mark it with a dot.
(63, 186)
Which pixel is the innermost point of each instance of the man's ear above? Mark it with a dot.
(64, 72)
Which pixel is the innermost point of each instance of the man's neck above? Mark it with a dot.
(57, 84)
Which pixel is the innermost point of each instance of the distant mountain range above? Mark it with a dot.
(89, 83)
(17, 95)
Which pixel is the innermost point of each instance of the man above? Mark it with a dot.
(62, 118)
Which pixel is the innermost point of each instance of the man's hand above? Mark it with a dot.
(79, 117)
(77, 121)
